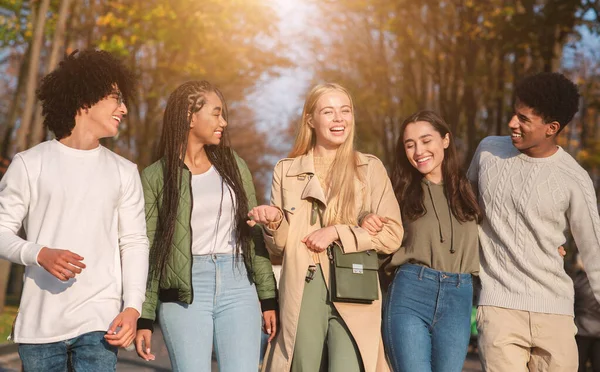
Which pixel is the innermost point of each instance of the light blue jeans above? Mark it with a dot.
(225, 312)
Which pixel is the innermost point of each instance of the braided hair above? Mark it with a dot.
(186, 100)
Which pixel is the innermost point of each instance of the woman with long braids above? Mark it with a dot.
(206, 263)
(317, 197)
(428, 311)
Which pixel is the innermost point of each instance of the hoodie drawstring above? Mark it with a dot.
(442, 239)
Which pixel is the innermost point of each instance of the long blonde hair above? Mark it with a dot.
(341, 200)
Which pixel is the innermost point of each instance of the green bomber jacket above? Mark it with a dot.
(175, 284)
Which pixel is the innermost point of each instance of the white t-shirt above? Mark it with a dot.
(212, 214)
(91, 203)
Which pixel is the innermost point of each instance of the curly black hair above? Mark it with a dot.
(551, 95)
(80, 81)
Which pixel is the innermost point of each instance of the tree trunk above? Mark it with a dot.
(15, 283)
(34, 60)
(14, 109)
(471, 54)
(500, 94)
(37, 134)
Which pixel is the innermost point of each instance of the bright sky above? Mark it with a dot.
(279, 100)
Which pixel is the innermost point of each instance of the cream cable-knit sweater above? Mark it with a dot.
(529, 204)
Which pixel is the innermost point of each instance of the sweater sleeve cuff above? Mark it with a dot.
(30, 256)
(143, 323)
(269, 304)
(134, 303)
(273, 226)
(353, 238)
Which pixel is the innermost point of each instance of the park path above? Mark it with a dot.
(130, 362)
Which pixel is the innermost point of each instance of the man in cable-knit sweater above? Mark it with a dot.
(532, 192)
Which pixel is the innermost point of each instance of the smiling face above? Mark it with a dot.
(207, 124)
(530, 134)
(331, 120)
(106, 115)
(424, 147)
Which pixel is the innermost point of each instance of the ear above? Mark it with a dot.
(192, 119)
(309, 121)
(552, 128)
(446, 140)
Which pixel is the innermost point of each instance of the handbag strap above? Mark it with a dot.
(317, 213)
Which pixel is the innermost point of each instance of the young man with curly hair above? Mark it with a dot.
(82, 209)
(531, 192)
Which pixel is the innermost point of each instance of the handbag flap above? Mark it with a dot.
(366, 260)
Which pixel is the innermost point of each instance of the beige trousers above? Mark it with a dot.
(518, 341)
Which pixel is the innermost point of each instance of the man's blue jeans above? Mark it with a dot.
(88, 352)
(426, 323)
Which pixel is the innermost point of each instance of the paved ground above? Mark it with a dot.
(472, 363)
(130, 362)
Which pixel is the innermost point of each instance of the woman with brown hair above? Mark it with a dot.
(428, 311)
(317, 197)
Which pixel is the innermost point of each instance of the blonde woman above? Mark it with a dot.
(325, 171)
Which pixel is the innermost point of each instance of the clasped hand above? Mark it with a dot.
(318, 241)
(264, 215)
(373, 223)
(123, 328)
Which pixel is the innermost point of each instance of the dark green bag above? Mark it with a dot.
(353, 276)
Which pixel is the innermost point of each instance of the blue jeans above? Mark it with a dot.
(225, 312)
(426, 324)
(88, 352)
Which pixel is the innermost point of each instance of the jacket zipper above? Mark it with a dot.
(191, 237)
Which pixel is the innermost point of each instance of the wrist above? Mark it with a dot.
(274, 224)
(334, 234)
(143, 323)
(132, 310)
(269, 304)
(40, 253)
(277, 218)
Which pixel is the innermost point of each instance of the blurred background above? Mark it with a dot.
(459, 57)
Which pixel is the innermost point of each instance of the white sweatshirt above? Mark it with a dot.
(91, 203)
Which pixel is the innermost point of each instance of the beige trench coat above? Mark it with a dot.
(292, 191)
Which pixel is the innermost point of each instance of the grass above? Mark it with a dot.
(7, 317)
